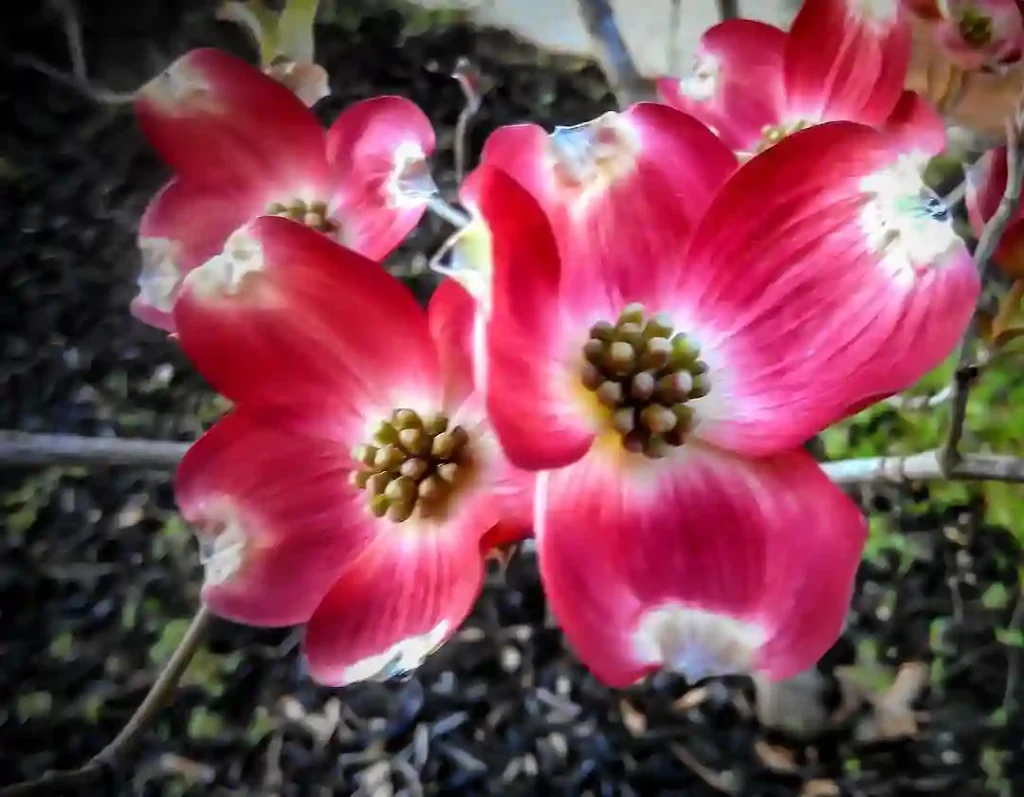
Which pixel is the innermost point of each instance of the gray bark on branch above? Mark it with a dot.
(119, 751)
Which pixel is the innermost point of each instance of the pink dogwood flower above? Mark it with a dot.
(986, 184)
(242, 145)
(356, 486)
(662, 394)
(977, 33)
(842, 60)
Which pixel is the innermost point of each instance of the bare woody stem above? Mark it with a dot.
(611, 51)
(966, 368)
(728, 9)
(21, 448)
(111, 757)
(926, 466)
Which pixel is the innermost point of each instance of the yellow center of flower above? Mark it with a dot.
(773, 134)
(643, 374)
(975, 27)
(414, 463)
(312, 214)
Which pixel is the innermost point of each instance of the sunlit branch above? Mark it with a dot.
(904, 402)
(926, 466)
(449, 213)
(966, 370)
(473, 87)
(127, 741)
(610, 49)
(22, 448)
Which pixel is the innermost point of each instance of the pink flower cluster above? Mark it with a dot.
(644, 320)
(975, 34)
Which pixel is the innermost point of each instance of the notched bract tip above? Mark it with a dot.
(227, 273)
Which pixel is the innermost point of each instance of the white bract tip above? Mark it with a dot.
(696, 643)
(224, 274)
(160, 275)
(702, 82)
(905, 221)
(222, 552)
(410, 183)
(400, 659)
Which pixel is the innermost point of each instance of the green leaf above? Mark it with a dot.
(996, 597)
(1012, 637)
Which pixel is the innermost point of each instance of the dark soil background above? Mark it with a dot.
(98, 577)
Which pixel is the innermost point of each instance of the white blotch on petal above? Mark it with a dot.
(410, 183)
(177, 86)
(905, 221)
(160, 275)
(224, 274)
(696, 643)
(588, 158)
(881, 13)
(221, 552)
(309, 82)
(702, 82)
(400, 659)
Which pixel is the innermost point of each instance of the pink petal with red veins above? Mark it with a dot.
(377, 150)
(275, 515)
(620, 191)
(701, 562)
(986, 184)
(396, 605)
(527, 392)
(847, 59)
(452, 313)
(287, 317)
(736, 85)
(219, 121)
(184, 226)
(916, 126)
(814, 284)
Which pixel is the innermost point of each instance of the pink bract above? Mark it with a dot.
(318, 348)
(986, 183)
(242, 145)
(977, 33)
(842, 60)
(659, 351)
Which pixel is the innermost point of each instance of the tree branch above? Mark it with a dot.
(728, 9)
(966, 370)
(127, 741)
(22, 448)
(926, 466)
(610, 49)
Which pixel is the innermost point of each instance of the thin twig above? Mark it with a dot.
(611, 51)
(931, 401)
(728, 9)
(22, 448)
(73, 35)
(675, 23)
(98, 94)
(1014, 656)
(452, 215)
(127, 741)
(966, 371)
(474, 87)
(926, 466)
